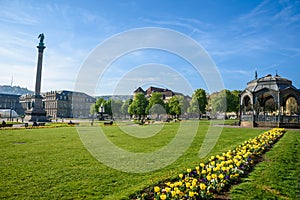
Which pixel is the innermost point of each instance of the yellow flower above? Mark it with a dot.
(187, 184)
(214, 176)
(168, 189)
(189, 170)
(179, 183)
(156, 189)
(163, 197)
(203, 172)
(208, 177)
(202, 186)
(180, 175)
(173, 193)
(212, 157)
(172, 185)
(221, 176)
(191, 194)
(194, 184)
(202, 165)
(197, 168)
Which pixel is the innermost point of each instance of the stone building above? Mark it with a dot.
(167, 94)
(62, 104)
(270, 101)
(11, 101)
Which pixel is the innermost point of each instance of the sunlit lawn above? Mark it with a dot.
(278, 176)
(52, 163)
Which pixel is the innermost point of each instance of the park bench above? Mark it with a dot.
(108, 123)
(73, 123)
(6, 125)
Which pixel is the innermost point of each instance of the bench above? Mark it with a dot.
(73, 123)
(108, 123)
(6, 125)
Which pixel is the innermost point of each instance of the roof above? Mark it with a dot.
(139, 89)
(9, 95)
(276, 83)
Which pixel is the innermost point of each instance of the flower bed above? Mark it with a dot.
(221, 171)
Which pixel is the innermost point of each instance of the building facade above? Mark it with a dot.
(11, 101)
(167, 94)
(62, 104)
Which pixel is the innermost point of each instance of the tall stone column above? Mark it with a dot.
(37, 112)
(41, 48)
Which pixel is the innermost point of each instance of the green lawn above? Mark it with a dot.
(51, 163)
(278, 176)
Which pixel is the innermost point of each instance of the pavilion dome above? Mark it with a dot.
(275, 83)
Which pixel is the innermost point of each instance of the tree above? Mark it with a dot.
(234, 102)
(124, 107)
(108, 107)
(198, 103)
(183, 103)
(116, 105)
(218, 102)
(174, 107)
(156, 105)
(225, 101)
(93, 109)
(138, 106)
(99, 102)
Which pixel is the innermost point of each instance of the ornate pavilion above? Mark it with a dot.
(270, 101)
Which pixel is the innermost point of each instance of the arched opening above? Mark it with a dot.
(270, 106)
(246, 105)
(291, 106)
(265, 104)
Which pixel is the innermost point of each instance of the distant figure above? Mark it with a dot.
(3, 123)
(41, 36)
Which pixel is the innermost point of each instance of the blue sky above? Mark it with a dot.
(239, 36)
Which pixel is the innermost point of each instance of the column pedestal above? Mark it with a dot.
(37, 113)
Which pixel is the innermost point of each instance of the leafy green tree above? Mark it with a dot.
(183, 103)
(174, 107)
(234, 101)
(198, 103)
(116, 105)
(99, 102)
(108, 107)
(219, 102)
(93, 109)
(156, 104)
(138, 106)
(226, 101)
(124, 107)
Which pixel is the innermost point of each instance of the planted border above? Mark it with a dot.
(207, 180)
